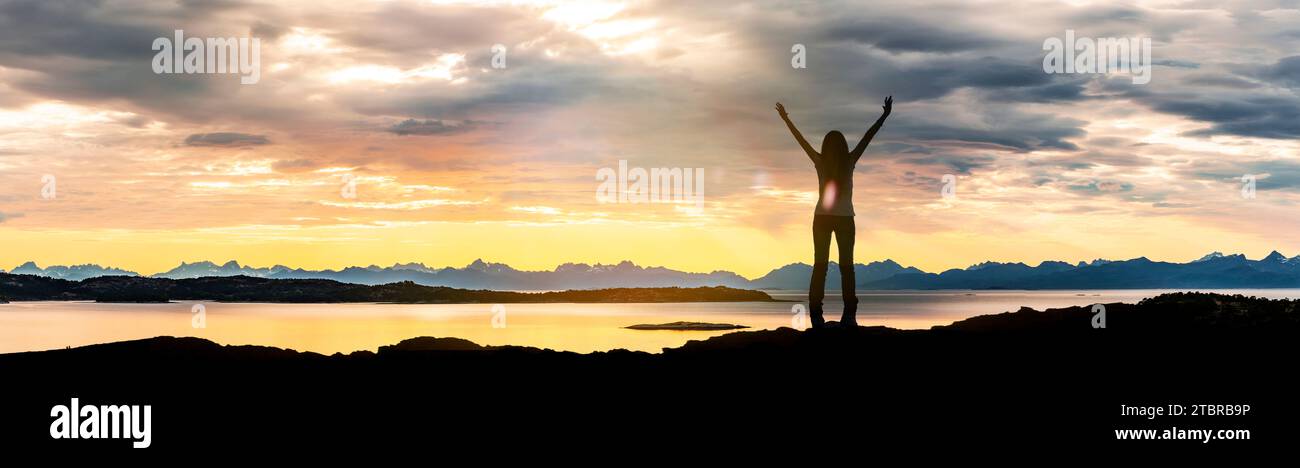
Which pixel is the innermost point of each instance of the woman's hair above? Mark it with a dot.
(835, 149)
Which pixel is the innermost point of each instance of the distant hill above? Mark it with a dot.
(481, 275)
(1212, 271)
(250, 289)
(1215, 270)
(795, 275)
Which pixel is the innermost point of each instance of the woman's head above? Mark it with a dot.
(834, 147)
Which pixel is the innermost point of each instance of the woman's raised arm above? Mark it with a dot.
(780, 109)
(871, 132)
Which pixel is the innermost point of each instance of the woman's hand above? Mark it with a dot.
(889, 105)
(780, 109)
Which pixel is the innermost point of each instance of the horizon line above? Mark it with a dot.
(480, 259)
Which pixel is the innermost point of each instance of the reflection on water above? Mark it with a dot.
(330, 328)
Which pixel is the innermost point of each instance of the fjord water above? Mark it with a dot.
(330, 328)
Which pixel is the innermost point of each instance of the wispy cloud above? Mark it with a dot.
(226, 140)
(402, 205)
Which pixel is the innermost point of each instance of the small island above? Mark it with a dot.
(687, 326)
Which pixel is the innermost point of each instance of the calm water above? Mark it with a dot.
(329, 328)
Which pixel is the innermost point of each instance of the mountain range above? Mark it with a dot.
(1215, 270)
(74, 272)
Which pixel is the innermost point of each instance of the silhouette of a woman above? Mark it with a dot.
(834, 213)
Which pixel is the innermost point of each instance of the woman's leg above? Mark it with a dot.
(845, 233)
(822, 227)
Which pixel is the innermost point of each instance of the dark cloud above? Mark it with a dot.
(919, 181)
(1249, 110)
(433, 127)
(957, 164)
(1262, 113)
(1269, 174)
(267, 32)
(1256, 116)
(1176, 63)
(938, 78)
(1009, 131)
(1059, 162)
(134, 121)
(1000, 78)
(901, 148)
(1221, 80)
(1108, 20)
(226, 140)
(1286, 72)
(1063, 89)
(1126, 14)
(906, 35)
(1098, 187)
(72, 28)
(99, 52)
(985, 72)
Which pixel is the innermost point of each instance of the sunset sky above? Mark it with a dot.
(456, 160)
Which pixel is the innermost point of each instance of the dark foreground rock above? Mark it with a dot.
(1009, 383)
